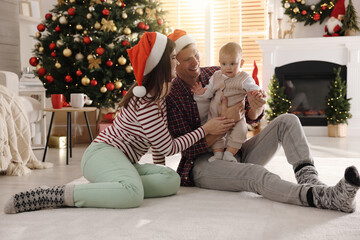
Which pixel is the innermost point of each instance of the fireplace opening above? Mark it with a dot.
(307, 85)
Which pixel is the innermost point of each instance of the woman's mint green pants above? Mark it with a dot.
(117, 183)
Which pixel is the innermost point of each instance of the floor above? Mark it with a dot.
(61, 173)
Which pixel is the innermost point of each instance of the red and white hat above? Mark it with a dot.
(144, 57)
(181, 39)
(339, 9)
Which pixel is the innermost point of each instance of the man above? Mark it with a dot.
(248, 174)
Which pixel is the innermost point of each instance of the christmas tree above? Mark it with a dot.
(350, 20)
(278, 102)
(338, 106)
(82, 46)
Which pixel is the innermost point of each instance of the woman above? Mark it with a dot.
(110, 163)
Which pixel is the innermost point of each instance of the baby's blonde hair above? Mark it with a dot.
(231, 48)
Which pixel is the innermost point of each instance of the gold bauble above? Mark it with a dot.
(114, 28)
(57, 65)
(118, 84)
(139, 11)
(38, 66)
(85, 81)
(88, 16)
(63, 20)
(124, 15)
(59, 43)
(97, 25)
(127, 31)
(54, 18)
(111, 45)
(79, 27)
(296, 10)
(41, 49)
(122, 60)
(128, 68)
(67, 52)
(103, 89)
(89, 57)
(85, 32)
(38, 35)
(158, 9)
(79, 56)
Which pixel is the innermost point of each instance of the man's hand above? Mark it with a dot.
(235, 112)
(256, 98)
(198, 89)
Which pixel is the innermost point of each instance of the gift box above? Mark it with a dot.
(59, 142)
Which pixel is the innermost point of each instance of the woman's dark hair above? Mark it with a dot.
(156, 78)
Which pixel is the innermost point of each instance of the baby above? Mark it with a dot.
(234, 84)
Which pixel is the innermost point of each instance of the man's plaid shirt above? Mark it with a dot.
(183, 117)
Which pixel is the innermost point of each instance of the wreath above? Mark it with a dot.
(310, 14)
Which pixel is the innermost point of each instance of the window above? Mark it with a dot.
(215, 22)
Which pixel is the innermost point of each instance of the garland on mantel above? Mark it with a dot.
(310, 14)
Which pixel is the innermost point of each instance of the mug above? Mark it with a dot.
(57, 100)
(77, 100)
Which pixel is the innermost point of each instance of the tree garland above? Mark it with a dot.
(310, 14)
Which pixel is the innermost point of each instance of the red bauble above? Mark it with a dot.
(42, 72)
(87, 40)
(53, 54)
(71, 11)
(52, 46)
(304, 12)
(110, 86)
(316, 17)
(68, 78)
(66, 104)
(48, 16)
(41, 27)
(147, 27)
(33, 61)
(141, 25)
(49, 78)
(105, 12)
(93, 82)
(109, 63)
(124, 92)
(79, 73)
(160, 21)
(324, 7)
(57, 29)
(100, 51)
(125, 43)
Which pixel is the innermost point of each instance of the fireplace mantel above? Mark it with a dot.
(339, 50)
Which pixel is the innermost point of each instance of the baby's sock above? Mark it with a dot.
(217, 156)
(228, 156)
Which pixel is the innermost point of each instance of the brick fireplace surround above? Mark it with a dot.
(339, 50)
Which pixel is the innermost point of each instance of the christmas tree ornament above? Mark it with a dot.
(109, 63)
(79, 56)
(124, 92)
(100, 51)
(53, 54)
(93, 62)
(57, 29)
(127, 31)
(48, 16)
(67, 52)
(85, 81)
(141, 25)
(52, 46)
(158, 9)
(93, 82)
(85, 33)
(125, 43)
(77, 39)
(79, 72)
(160, 21)
(38, 35)
(111, 45)
(118, 84)
(103, 89)
(79, 27)
(57, 65)
(124, 15)
(105, 12)
(33, 61)
(88, 16)
(120, 3)
(68, 78)
(41, 27)
(72, 1)
(97, 25)
(153, 46)
(54, 18)
(150, 13)
(38, 66)
(109, 1)
(147, 27)
(59, 43)
(110, 86)
(122, 60)
(49, 78)
(139, 11)
(41, 49)
(91, 9)
(108, 25)
(41, 71)
(71, 11)
(87, 40)
(63, 20)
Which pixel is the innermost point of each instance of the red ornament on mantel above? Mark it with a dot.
(68, 78)
(304, 12)
(317, 17)
(33, 61)
(100, 51)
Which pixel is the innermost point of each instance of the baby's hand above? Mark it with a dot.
(198, 89)
(256, 93)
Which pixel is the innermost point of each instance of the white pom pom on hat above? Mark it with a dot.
(144, 57)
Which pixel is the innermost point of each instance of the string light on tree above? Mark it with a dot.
(278, 101)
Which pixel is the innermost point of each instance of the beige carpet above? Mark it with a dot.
(196, 214)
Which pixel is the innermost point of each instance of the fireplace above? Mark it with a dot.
(340, 51)
(306, 84)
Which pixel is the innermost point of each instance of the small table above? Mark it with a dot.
(69, 110)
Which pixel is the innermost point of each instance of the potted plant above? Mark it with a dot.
(350, 24)
(278, 101)
(338, 106)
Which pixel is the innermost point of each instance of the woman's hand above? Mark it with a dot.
(218, 125)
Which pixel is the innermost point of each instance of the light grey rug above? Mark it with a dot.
(196, 214)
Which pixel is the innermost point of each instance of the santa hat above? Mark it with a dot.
(339, 9)
(181, 39)
(144, 57)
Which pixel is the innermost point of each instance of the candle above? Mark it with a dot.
(281, 13)
(271, 8)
